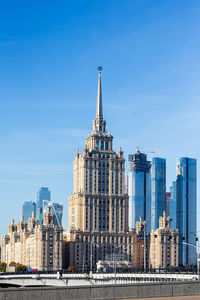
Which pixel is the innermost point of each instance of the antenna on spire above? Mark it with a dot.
(100, 68)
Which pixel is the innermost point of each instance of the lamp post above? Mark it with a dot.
(114, 265)
(145, 224)
(145, 262)
(197, 250)
(145, 244)
(114, 261)
(91, 253)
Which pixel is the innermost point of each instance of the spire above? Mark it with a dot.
(99, 124)
(99, 112)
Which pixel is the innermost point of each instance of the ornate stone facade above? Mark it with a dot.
(99, 203)
(98, 207)
(83, 250)
(164, 245)
(138, 246)
(33, 245)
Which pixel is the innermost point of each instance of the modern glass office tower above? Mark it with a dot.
(167, 199)
(126, 183)
(172, 210)
(158, 190)
(59, 213)
(139, 189)
(43, 194)
(27, 209)
(56, 209)
(186, 204)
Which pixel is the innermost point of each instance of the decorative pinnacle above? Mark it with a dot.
(100, 69)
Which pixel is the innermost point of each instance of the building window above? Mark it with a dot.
(106, 145)
(97, 145)
(102, 145)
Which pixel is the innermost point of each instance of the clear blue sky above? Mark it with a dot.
(49, 51)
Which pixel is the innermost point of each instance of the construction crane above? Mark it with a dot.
(146, 151)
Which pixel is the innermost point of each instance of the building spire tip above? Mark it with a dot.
(100, 68)
(99, 112)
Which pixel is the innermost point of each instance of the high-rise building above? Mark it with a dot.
(27, 209)
(158, 190)
(186, 205)
(126, 183)
(164, 245)
(43, 194)
(56, 209)
(167, 199)
(139, 189)
(173, 204)
(99, 202)
(98, 207)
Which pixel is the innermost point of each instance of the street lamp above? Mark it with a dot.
(197, 250)
(145, 246)
(114, 261)
(145, 262)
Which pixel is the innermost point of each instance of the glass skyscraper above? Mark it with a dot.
(27, 209)
(158, 190)
(139, 189)
(172, 210)
(59, 212)
(186, 204)
(167, 199)
(57, 209)
(43, 194)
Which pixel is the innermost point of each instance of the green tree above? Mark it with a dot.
(18, 267)
(3, 267)
(124, 269)
(188, 266)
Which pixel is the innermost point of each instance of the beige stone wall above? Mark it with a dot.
(98, 177)
(77, 245)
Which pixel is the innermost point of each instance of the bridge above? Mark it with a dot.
(56, 280)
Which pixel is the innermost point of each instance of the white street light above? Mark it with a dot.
(197, 249)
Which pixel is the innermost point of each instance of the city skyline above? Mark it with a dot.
(98, 210)
(37, 152)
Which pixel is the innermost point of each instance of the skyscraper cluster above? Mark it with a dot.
(43, 202)
(99, 206)
(148, 199)
(111, 213)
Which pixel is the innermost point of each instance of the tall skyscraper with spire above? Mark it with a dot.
(99, 202)
(98, 207)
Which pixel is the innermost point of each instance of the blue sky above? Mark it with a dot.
(49, 51)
